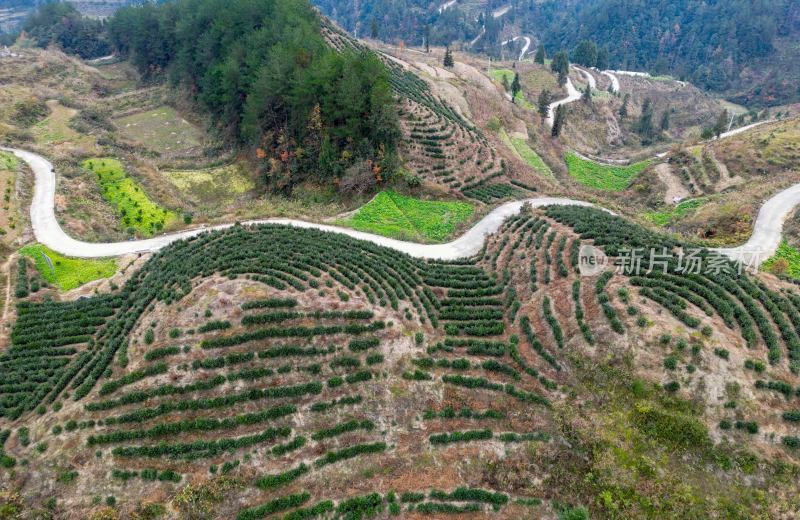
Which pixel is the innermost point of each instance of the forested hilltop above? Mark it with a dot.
(744, 48)
(268, 79)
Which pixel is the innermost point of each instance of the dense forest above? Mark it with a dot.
(265, 74)
(716, 44)
(744, 48)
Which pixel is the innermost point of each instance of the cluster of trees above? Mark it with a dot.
(588, 54)
(59, 23)
(263, 71)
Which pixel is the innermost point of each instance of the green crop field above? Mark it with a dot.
(602, 176)
(398, 216)
(134, 207)
(682, 209)
(68, 273)
(786, 261)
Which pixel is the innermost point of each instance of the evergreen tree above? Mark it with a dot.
(448, 58)
(562, 79)
(427, 38)
(559, 121)
(373, 28)
(585, 54)
(665, 120)
(721, 124)
(602, 58)
(587, 95)
(506, 85)
(541, 55)
(516, 87)
(544, 104)
(560, 63)
(623, 110)
(644, 127)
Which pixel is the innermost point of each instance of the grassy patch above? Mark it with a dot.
(526, 153)
(531, 157)
(398, 216)
(508, 74)
(212, 185)
(161, 129)
(68, 273)
(8, 162)
(499, 74)
(55, 128)
(134, 207)
(602, 176)
(682, 209)
(786, 261)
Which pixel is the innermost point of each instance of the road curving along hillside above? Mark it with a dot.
(764, 241)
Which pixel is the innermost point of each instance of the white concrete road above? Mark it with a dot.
(524, 47)
(587, 76)
(572, 95)
(614, 80)
(763, 242)
(48, 231)
(501, 11)
(768, 228)
(447, 5)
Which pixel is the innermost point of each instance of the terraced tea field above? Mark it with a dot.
(269, 370)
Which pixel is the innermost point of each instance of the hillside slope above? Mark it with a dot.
(262, 370)
(743, 49)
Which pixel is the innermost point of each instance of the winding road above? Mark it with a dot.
(613, 78)
(764, 241)
(524, 47)
(587, 76)
(48, 231)
(572, 95)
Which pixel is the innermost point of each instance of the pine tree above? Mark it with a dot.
(544, 104)
(559, 121)
(560, 63)
(721, 124)
(602, 58)
(515, 87)
(644, 127)
(448, 58)
(541, 55)
(587, 95)
(665, 120)
(623, 110)
(373, 30)
(562, 79)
